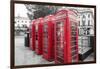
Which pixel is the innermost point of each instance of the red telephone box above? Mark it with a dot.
(48, 38)
(32, 35)
(38, 36)
(66, 37)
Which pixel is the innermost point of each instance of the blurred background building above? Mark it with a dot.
(21, 24)
(86, 33)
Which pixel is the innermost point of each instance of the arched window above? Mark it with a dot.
(83, 20)
(89, 18)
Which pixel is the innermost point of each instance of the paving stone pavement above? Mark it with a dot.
(25, 56)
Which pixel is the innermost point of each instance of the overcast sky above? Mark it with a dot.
(21, 10)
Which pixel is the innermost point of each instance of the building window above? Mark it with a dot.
(83, 20)
(22, 21)
(88, 15)
(89, 19)
(88, 22)
(25, 21)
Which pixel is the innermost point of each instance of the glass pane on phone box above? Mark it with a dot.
(73, 28)
(36, 27)
(73, 38)
(73, 33)
(60, 24)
